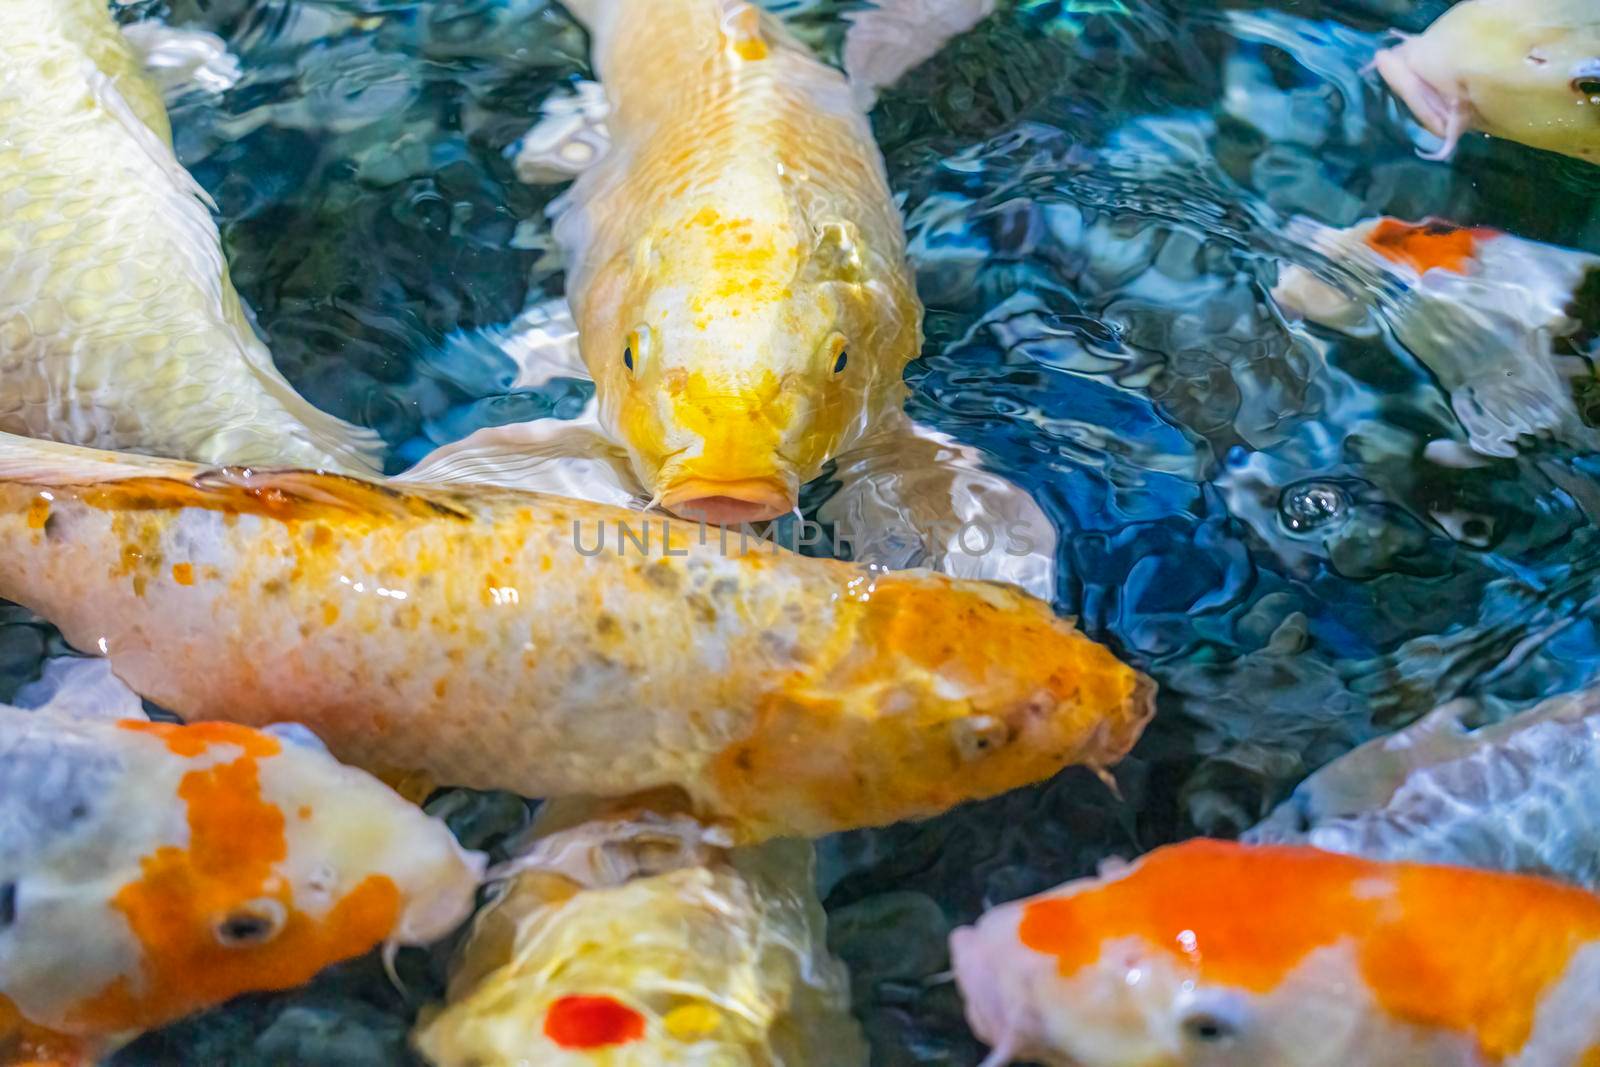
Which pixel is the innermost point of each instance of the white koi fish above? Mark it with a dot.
(1479, 308)
(148, 871)
(119, 326)
(1521, 795)
(1217, 954)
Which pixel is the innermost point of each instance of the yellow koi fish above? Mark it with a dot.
(739, 290)
(1211, 953)
(633, 941)
(1525, 70)
(148, 871)
(506, 640)
(119, 326)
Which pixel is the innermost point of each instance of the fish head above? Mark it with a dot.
(927, 692)
(736, 356)
(1195, 955)
(1525, 71)
(270, 862)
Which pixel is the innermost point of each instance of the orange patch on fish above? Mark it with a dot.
(38, 513)
(1462, 950)
(577, 1022)
(23, 1044)
(1427, 246)
(225, 872)
(183, 573)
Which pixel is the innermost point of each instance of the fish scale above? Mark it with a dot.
(119, 326)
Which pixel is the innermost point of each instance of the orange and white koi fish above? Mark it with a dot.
(739, 290)
(507, 640)
(1521, 795)
(1479, 308)
(148, 871)
(119, 326)
(631, 940)
(1213, 953)
(1526, 70)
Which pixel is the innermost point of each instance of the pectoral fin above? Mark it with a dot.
(914, 497)
(567, 457)
(80, 686)
(891, 37)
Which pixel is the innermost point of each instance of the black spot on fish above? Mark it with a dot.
(663, 576)
(8, 904)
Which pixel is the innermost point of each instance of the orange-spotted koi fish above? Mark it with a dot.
(740, 294)
(504, 640)
(632, 940)
(1477, 307)
(1520, 795)
(119, 325)
(1525, 70)
(1212, 953)
(148, 871)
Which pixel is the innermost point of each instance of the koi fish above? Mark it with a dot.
(634, 941)
(1212, 952)
(1521, 795)
(1525, 70)
(1477, 307)
(739, 290)
(550, 647)
(119, 326)
(148, 871)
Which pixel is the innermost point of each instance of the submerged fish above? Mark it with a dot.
(148, 871)
(1477, 307)
(633, 941)
(739, 290)
(1526, 70)
(498, 639)
(1521, 795)
(1212, 953)
(119, 326)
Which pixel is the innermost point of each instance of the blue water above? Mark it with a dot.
(1094, 192)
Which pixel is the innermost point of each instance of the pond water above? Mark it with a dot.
(1096, 194)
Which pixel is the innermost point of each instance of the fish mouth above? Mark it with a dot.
(1441, 114)
(729, 502)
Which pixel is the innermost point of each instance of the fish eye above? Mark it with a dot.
(839, 364)
(1586, 79)
(636, 348)
(1207, 1028)
(253, 923)
(1213, 1017)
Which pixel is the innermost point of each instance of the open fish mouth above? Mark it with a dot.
(731, 502)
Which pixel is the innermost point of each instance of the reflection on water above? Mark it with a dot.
(1097, 194)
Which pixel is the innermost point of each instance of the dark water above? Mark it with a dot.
(1095, 194)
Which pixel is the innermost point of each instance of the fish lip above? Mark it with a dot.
(1431, 107)
(729, 501)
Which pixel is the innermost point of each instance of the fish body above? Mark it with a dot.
(737, 266)
(634, 942)
(1213, 953)
(1521, 795)
(1525, 70)
(498, 639)
(119, 326)
(1479, 308)
(149, 871)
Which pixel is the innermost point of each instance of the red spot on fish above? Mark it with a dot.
(196, 738)
(592, 1022)
(1428, 245)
